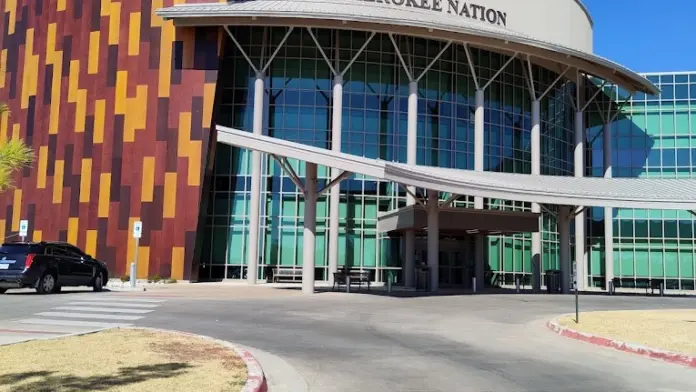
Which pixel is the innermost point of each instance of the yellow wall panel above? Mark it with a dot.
(85, 180)
(143, 262)
(156, 22)
(114, 23)
(3, 67)
(11, 7)
(105, 7)
(43, 163)
(121, 100)
(194, 168)
(93, 59)
(104, 194)
(73, 80)
(4, 121)
(169, 210)
(73, 224)
(15, 131)
(54, 58)
(58, 182)
(37, 235)
(91, 243)
(165, 67)
(137, 113)
(148, 183)
(31, 70)
(3, 222)
(134, 34)
(81, 111)
(178, 262)
(16, 209)
(61, 4)
(99, 114)
(208, 103)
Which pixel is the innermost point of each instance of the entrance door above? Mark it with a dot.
(452, 261)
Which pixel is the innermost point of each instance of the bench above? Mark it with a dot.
(286, 274)
(647, 283)
(357, 277)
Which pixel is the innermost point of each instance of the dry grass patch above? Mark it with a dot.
(672, 330)
(121, 360)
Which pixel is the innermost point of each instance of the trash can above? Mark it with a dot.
(553, 281)
(422, 278)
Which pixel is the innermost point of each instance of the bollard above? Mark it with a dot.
(662, 289)
(473, 284)
(389, 282)
(517, 284)
(347, 283)
(132, 274)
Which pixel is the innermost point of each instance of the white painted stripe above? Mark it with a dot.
(113, 298)
(120, 317)
(114, 304)
(74, 323)
(107, 310)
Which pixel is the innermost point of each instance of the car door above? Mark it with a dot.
(83, 270)
(59, 257)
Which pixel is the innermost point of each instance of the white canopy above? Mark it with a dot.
(666, 194)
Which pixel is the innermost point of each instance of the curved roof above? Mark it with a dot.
(664, 194)
(402, 20)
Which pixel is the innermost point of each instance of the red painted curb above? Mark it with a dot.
(663, 355)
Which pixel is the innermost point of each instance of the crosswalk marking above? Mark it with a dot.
(114, 304)
(134, 299)
(105, 310)
(73, 323)
(120, 317)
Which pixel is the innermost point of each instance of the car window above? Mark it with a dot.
(60, 251)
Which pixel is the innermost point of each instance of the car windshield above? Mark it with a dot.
(8, 249)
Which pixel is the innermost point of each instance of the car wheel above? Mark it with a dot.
(2, 291)
(47, 283)
(98, 283)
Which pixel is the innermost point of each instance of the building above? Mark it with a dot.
(121, 99)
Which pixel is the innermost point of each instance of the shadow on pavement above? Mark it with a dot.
(47, 381)
(401, 293)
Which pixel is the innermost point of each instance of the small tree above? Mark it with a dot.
(14, 155)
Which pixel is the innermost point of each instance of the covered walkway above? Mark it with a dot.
(572, 195)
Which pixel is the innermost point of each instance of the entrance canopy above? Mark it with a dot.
(458, 221)
(665, 194)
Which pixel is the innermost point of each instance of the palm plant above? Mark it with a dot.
(14, 155)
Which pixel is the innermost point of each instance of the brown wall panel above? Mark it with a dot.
(97, 89)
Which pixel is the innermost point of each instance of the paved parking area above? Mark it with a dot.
(347, 342)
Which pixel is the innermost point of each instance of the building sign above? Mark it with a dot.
(460, 8)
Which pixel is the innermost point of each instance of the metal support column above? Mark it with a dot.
(579, 167)
(334, 199)
(479, 262)
(536, 208)
(608, 211)
(563, 222)
(310, 224)
(254, 210)
(433, 239)
(411, 149)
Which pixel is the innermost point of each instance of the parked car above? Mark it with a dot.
(49, 266)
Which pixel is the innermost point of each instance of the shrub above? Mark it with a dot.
(125, 278)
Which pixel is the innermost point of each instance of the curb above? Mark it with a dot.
(633, 348)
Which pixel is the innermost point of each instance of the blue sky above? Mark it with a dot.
(646, 35)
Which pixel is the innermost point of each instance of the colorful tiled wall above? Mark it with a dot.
(117, 105)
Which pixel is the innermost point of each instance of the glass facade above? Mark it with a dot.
(654, 137)
(298, 107)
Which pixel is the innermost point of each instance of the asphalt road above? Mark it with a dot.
(350, 342)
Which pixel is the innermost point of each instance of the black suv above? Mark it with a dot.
(47, 266)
